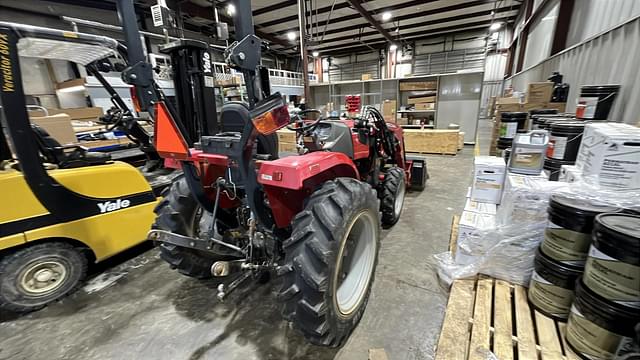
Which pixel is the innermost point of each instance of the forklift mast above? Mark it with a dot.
(139, 73)
(193, 78)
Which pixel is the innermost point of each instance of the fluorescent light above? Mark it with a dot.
(231, 9)
(495, 26)
(315, 53)
(393, 47)
(72, 89)
(386, 16)
(291, 35)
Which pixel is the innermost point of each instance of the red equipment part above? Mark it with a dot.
(288, 181)
(168, 140)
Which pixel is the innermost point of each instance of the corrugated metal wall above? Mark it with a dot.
(591, 17)
(611, 58)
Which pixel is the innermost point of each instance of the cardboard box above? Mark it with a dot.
(611, 151)
(421, 99)
(389, 108)
(569, 173)
(97, 144)
(418, 85)
(507, 108)
(425, 106)
(479, 207)
(539, 92)
(460, 140)
(561, 107)
(85, 113)
(488, 179)
(507, 100)
(58, 126)
(366, 77)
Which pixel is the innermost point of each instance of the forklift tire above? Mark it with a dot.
(32, 277)
(180, 213)
(330, 261)
(392, 196)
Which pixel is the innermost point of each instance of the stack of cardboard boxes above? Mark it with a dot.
(422, 102)
(538, 96)
(480, 208)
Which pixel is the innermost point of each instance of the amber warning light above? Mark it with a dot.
(270, 115)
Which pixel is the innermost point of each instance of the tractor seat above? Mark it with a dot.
(66, 157)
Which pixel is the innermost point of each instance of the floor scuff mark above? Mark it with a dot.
(102, 281)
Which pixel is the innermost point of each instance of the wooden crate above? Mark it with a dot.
(286, 147)
(460, 140)
(286, 140)
(418, 85)
(431, 141)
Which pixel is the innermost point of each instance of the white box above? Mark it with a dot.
(478, 207)
(594, 135)
(612, 153)
(471, 223)
(488, 179)
(569, 173)
(525, 199)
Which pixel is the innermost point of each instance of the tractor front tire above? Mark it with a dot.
(32, 277)
(180, 213)
(330, 261)
(392, 196)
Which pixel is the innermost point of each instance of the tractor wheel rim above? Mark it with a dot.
(399, 200)
(43, 277)
(355, 269)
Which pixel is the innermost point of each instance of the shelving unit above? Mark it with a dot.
(424, 116)
(457, 99)
(337, 92)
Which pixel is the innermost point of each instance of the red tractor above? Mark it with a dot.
(313, 219)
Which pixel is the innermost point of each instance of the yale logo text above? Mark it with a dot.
(109, 206)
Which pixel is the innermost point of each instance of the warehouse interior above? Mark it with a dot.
(303, 179)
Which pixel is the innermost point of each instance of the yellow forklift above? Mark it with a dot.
(63, 207)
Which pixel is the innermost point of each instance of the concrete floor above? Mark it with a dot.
(140, 309)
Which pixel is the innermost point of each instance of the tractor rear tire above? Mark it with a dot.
(330, 261)
(32, 277)
(392, 196)
(180, 213)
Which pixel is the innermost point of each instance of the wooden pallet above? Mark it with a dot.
(453, 238)
(491, 314)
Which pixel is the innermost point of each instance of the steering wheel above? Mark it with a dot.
(298, 118)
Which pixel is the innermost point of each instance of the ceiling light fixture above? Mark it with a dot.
(386, 16)
(393, 47)
(315, 54)
(495, 26)
(291, 35)
(231, 9)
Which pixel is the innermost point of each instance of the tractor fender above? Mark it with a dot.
(289, 181)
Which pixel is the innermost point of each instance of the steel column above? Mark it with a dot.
(302, 24)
